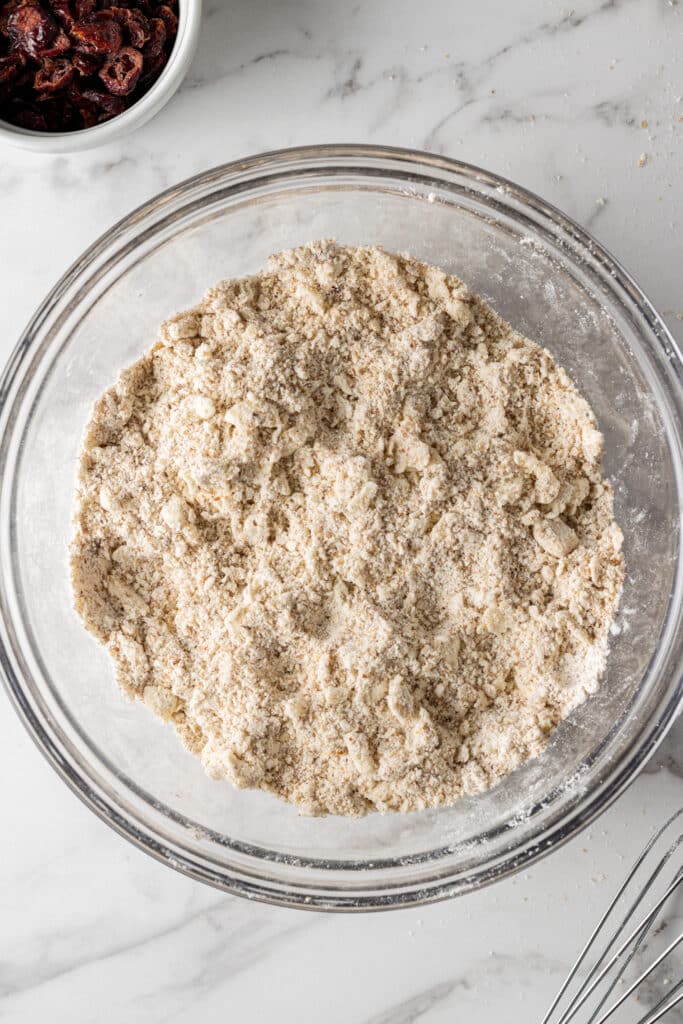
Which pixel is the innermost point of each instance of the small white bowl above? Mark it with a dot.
(189, 19)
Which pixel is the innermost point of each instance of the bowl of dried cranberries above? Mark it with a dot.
(76, 73)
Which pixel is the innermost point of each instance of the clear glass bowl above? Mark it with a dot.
(555, 284)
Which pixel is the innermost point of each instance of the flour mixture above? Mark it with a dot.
(348, 531)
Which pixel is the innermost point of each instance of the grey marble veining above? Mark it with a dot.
(580, 101)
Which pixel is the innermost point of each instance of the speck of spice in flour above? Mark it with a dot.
(348, 531)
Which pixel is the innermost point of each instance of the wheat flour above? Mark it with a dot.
(348, 531)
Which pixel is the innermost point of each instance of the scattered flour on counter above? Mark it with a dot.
(348, 531)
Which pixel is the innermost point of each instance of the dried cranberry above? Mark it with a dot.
(24, 80)
(95, 96)
(74, 92)
(157, 39)
(97, 33)
(89, 115)
(135, 24)
(10, 66)
(32, 29)
(60, 44)
(58, 48)
(29, 117)
(5, 10)
(56, 112)
(106, 104)
(152, 69)
(66, 117)
(169, 19)
(63, 13)
(86, 63)
(53, 75)
(121, 72)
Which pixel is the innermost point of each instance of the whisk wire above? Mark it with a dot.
(640, 979)
(608, 959)
(666, 1003)
(602, 922)
(643, 927)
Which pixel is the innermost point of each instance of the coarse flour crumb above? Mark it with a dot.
(348, 531)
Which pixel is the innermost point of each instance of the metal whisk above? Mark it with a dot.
(628, 958)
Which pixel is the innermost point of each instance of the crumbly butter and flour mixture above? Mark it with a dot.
(348, 531)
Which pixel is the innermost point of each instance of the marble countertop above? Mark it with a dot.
(579, 100)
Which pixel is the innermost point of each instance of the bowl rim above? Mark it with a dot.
(257, 169)
(189, 22)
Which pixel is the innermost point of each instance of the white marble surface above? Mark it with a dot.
(568, 97)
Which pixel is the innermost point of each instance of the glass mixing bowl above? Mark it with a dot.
(540, 271)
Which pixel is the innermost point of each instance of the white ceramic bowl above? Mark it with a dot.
(189, 19)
